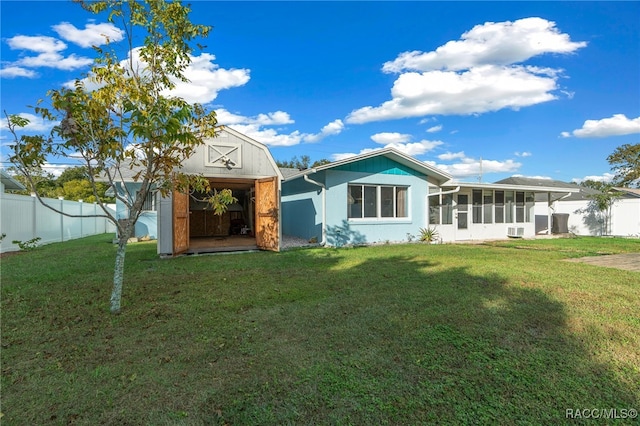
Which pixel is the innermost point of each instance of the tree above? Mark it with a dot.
(129, 120)
(625, 161)
(302, 163)
(602, 200)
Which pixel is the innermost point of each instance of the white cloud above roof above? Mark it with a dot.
(468, 166)
(482, 72)
(616, 125)
(399, 141)
(255, 128)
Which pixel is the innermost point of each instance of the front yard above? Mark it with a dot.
(502, 333)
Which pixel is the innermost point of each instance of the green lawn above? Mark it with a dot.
(502, 333)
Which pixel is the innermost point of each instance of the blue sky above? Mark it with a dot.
(537, 89)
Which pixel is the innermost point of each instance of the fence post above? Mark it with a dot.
(61, 219)
(35, 212)
(81, 221)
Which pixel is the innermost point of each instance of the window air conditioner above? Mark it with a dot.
(515, 232)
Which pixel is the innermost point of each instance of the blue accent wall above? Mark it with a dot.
(378, 165)
(302, 204)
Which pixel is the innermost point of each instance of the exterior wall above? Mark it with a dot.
(625, 217)
(302, 207)
(479, 231)
(341, 230)
(251, 161)
(147, 224)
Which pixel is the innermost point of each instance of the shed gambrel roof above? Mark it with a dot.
(390, 153)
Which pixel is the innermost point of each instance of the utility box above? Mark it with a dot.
(559, 223)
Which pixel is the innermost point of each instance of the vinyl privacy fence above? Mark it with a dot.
(23, 218)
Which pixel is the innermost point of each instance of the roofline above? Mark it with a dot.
(405, 159)
(532, 188)
(14, 184)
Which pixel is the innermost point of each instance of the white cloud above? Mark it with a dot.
(36, 123)
(48, 49)
(468, 166)
(41, 44)
(206, 78)
(14, 71)
(605, 177)
(55, 60)
(534, 177)
(434, 129)
(523, 154)
(399, 141)
(390, 137)
(480, 73)
(617, 125)
(254, 127)
(92, 35)
(334, 128)
(482, 89)
(497, 43)
(448, 156)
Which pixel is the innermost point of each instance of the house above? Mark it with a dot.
(578, 212)
(183, 224)
(8, 182)
(386, 195)
(380, 196)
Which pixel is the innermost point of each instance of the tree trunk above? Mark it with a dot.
(118, 275)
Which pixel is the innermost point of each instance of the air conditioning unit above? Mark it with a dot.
(515, 232)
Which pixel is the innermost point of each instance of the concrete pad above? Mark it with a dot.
(627, 261)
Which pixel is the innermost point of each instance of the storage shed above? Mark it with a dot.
(230, 161)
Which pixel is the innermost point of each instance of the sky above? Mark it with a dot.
(481, 90)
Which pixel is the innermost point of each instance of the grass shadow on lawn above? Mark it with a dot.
(351, 336)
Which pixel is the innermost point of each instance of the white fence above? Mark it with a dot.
(23, 218)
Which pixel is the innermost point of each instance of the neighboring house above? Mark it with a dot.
(577, 210)
(386, 195)
(183, 224)
(8, 182)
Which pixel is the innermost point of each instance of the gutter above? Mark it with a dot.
(452, 191)
(324, 204)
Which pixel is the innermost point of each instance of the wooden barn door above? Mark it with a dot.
(180, 222)
(267, 221)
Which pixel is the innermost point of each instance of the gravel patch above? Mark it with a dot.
(289, 242)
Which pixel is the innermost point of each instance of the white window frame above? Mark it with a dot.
(379, 217)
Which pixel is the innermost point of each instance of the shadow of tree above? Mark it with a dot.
(399, 340)
(343, 235)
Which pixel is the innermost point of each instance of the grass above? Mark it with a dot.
(503, 333)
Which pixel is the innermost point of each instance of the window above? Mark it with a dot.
(508, 208)
(149, 202)
(499, 211)
(530, 203)
(519, 207)
(434, 210)
(376, 201)
(477, 205)
(487, 200)
(447, 209)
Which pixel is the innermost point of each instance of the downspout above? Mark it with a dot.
(324, 205)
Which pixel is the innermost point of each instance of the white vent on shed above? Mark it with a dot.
(515, 232)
